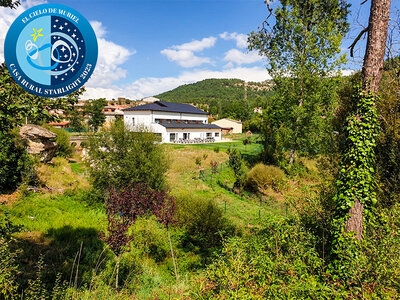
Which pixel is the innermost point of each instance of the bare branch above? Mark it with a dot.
(364, 2)
(351, 47)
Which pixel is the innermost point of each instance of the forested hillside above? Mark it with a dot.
(232, 98)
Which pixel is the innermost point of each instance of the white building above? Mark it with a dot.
(234, 125)
(175, 122)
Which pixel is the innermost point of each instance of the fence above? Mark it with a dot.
(212, 177)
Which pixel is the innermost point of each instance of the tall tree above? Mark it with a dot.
(94, 108)
(356, 191)
(302, 49)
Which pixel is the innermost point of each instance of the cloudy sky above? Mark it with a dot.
(150, 46)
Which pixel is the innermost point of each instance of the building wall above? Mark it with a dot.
(237, 127)
(193, 133)
(148, 119)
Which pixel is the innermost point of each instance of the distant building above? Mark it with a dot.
(113, 112)
(236, 126)
(174, 122)
(63, 124)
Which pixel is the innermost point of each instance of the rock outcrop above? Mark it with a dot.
(40, 141)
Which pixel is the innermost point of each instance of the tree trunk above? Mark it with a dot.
(376, 44)
(372, 74)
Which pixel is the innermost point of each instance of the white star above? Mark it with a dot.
(72, 69)
(56, 76)
(69, 65)
(57, 20)
(65, 55)
(62, 78)
(69, 30)
(66, 74)
(74, 29)
(77, 62)
(73, 54)
(60, 67)
(73, 35)
(82, 56)
(65, 23)
(61, 27)
(54, 26)
(63, 49)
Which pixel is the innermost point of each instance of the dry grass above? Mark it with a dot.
(59, 176)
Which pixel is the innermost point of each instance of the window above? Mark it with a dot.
(209, 134)
(172, 137)
(217, 134)
(186, 136)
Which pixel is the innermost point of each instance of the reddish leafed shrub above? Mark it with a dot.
(125, 205)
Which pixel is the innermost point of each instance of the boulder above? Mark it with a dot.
(40, 141)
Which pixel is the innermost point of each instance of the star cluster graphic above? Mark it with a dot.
(69, 55)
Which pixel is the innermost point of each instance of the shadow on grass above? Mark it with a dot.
(59, 247)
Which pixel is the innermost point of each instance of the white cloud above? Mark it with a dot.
(197, 45)
(240, 58)
(98, 29)
(7, 17)
(240, 38)
(184, 55)
(185, 58)
(111, 57)
(154, 85)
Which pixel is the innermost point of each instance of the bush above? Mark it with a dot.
(118, 157)
(203, 222)
(216, 149)
(267, 265)
(236, 162)
(262, 177)
(63, 141)
(16, 166)
(149, 238)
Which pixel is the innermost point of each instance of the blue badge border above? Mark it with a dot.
(87, 33)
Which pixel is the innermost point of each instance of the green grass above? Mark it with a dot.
(77, 168)
(43, 212)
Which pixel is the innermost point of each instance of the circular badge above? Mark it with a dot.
(51, 50)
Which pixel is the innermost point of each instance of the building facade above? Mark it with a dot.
(229, 123)
(174, 122)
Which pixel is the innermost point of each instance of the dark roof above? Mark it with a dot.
(168, 106)
(191, 125)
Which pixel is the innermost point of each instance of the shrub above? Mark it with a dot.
(125, 205)
(216, 149)
(261, 177)
(236, 162)
(267, 265)
(203, 222)
(63, 141)
(205, 155)
(149, 238)
(118, 158)
(15, 164)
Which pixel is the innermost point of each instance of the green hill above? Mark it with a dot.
(232, 98)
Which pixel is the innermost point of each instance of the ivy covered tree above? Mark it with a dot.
(303, 51)
(356, 194)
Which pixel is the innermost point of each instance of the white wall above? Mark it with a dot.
(147, 118)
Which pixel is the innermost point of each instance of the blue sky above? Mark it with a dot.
(147, 46)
